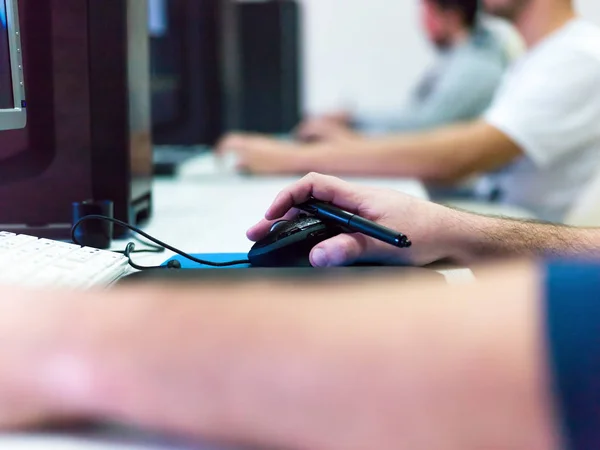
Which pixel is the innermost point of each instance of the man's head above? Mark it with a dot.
(444, 20)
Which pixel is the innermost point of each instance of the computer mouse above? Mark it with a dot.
(289, 243)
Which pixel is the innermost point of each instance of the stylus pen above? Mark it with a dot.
(357, 224)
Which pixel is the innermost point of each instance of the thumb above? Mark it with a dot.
(341, 250)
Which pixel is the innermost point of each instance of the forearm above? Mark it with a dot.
(444, 156)
(472, 238)
(367, 366)
(397, 155)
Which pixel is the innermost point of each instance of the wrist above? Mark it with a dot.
(319, 157)
(466, 236)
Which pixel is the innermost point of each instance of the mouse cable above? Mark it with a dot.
(148, 247)
(131, 246)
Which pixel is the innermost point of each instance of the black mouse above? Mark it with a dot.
(290, 242)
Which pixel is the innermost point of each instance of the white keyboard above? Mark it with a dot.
(30, 261)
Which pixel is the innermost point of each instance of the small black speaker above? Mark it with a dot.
(270, 64)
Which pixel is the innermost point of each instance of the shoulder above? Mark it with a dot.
(566, 62)
(479, 61)
(577, 42)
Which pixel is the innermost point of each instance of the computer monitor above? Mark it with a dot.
(12, 87)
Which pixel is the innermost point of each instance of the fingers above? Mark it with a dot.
(321, 187)
(262, 228)
(312, 130)
(233, 150)
(348, 249)
(239, 142)
(230, 142)
(227, 153)
(342, 250)
(325, 188)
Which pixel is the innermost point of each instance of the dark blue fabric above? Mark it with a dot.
(573, 327)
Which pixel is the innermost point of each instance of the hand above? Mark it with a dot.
(260, 155)
(325, 129)
(429, 226)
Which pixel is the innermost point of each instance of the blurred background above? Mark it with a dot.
(121, 90)
(351, 55)
(358, 52)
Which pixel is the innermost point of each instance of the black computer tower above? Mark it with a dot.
(186, 72)
(88, 131)
(120, 108)
(270, 65)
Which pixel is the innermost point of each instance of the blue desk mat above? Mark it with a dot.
(213, 257)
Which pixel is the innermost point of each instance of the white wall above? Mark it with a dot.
(589, 9)
(356, 53)
(367, 54)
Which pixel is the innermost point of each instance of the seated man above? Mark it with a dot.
(473, 56)
(542, 129)
(384, 364)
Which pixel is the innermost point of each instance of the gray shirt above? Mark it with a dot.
(460, 87)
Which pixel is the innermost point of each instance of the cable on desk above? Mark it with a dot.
(149, 248)
(131, 246)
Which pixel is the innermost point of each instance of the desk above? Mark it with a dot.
(204, 210)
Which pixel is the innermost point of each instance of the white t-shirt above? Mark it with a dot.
(549, 104)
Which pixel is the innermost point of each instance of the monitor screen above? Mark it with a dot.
(7, 100)
(12, 86)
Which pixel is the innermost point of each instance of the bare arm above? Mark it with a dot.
(436, 231)
(380, 365)
(443, 156)
(471, 238)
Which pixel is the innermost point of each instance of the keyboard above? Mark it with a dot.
(33, 262)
